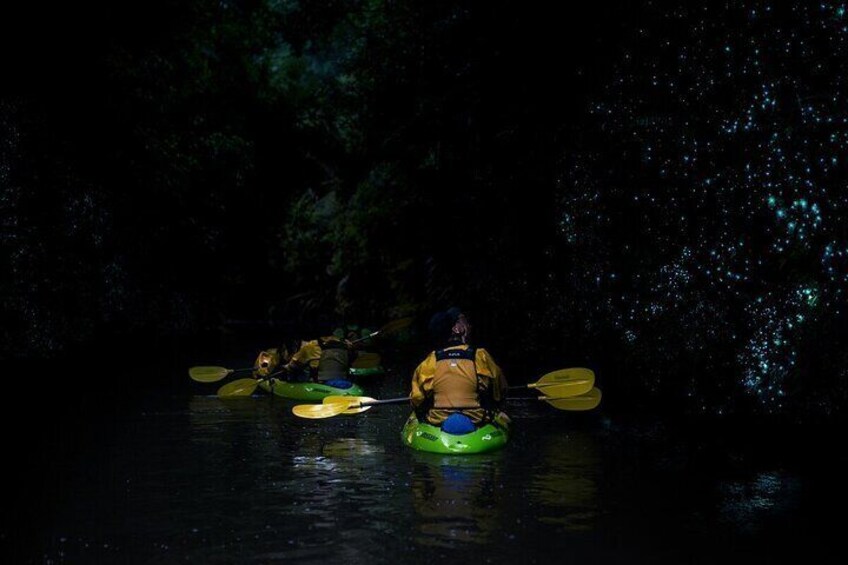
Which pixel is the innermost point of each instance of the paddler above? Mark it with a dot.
(457, 387)
(326, 360)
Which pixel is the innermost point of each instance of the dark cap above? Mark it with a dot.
(453, 314)
(442, 323)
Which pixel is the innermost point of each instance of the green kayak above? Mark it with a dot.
(308, 390)
(367, 372)
(425, 437)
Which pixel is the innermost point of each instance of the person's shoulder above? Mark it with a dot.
(430, 358)
(483, 354)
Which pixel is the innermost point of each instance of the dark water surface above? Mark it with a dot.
(175, 478)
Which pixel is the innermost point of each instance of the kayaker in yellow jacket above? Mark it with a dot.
(457, 387)
(326, 360)
(268, 360)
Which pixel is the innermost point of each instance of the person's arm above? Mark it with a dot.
(487, 366)
(308, 351)
(422, 381)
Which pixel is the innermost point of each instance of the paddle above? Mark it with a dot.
(213, 374)
(555, 393)
(565, 389)
(568, 382)
(576, 403)
(562, 396)
(391, 327)
(240, 387)
(559, 377)
(335, 405)
(244, 387)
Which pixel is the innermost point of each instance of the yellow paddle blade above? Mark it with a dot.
(366, 361)
(208, 374)
(565, 375)
(241, 387)
(318, 411)
(396, 325)
(391, 327)
(351, 403)
(577, 403)
(566, 389)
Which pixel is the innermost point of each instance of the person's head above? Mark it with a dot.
(450, 327)
(350, 333)
(266, 362)
(461, 329)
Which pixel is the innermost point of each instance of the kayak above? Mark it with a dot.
(367, 364)
(367, 371)
(426, 437)
(308, 390)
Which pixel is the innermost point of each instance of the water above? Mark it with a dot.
(175, 478)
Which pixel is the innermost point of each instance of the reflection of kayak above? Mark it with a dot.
(308, 390)
(424, 437)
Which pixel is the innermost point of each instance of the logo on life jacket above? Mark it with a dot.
(445, 354)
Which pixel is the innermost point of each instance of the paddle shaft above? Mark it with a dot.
(399, 400)
(402, 399)
(533, 385)
(390, 327)
(271, 376)
(369, 336)
(242, 370)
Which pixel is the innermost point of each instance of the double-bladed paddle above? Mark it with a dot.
(566, 389)
(389, 328)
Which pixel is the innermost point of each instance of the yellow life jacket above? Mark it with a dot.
(458, 387)
(456, 383)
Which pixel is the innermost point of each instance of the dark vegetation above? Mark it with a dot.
(574, 181)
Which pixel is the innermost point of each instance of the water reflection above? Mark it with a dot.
(475, 500)
(455, 498)
(748, 504)
(351, 458)
(234, 433)
(302, 482)
(563, 484)
(244, 481)
(346, 449)
(211, 411)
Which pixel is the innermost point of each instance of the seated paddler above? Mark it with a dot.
(457, 387)
(326, 360)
